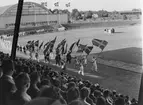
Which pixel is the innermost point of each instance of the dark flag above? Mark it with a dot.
(88, 49)
(56, 4)
(47, 48)
(68, 5)
(77, 43)
(29, 42)
(37, 43)
(72, 47)
(41, 45)
(46, 44)
(99, 43)
(52, 44)
(62, 43)
(62, 50)
(81, 48)
(66, 49)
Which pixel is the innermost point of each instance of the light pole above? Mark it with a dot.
(16, 29)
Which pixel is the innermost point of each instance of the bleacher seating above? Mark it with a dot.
(38, 84)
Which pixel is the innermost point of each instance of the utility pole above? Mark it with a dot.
(16, 29)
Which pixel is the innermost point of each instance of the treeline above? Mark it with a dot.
(75, 14)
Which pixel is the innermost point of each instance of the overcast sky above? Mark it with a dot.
(109, 5)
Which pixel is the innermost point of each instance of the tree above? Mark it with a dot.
(88, 14)
(102, 13)
(125, 17)
(75, 14)
(65, 11)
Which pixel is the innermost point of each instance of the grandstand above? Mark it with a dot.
(33, 82)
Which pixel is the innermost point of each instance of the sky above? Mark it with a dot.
(95, 5)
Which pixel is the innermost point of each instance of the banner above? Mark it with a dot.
(99, 43)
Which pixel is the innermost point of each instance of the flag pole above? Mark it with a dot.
(99, 53)
(16, 29)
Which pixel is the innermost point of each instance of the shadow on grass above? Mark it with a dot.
(128, 55)
(118, 32)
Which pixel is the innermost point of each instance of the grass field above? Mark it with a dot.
(124, 45)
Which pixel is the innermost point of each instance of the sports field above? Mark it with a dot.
(124, 45)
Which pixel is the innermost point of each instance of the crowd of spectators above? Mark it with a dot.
(27, 82)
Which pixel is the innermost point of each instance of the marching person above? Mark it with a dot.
(58, 59)
(37, 56)
(24, 50)
(81, 69)
(47, 57)
(30, 54)
(68, 57)
(85, 60)
(94, 64)
(63, 66)
(76, 62)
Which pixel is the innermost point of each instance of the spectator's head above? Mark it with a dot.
(97, 93)
(101, 101)
(114, 92)
(119, 101)
(71, 85)
(7, 67)
(72, 94)
(26, 69)
(106, 93)
(133, 101)
(35, 77)
(22, 81)
(45, 82)
(56, 82)
(49, 91)
(84, 92)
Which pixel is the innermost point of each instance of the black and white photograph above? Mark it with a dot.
(71, 52)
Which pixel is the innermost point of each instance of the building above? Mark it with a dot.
(33, 15)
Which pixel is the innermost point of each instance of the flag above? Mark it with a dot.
(36, 43)
(46, 44)
(29, 42)
(52, 43)
(88, 49)
(68, 5)
(56, 4)
(81, 48)
(44, 4)
(47, 48)
(61, 43)
(99, 43)
(41, 45)
(60, 46)
(65, 50)
(62, 50)
(77, 43)
(72, 47)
